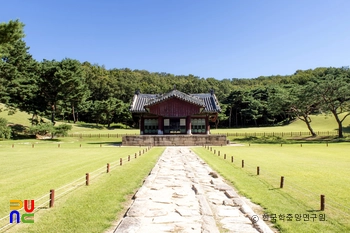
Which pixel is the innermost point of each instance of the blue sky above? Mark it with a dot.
(206, 38)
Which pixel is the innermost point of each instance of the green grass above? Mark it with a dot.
(29, 173)
(93, 208)
(24, 119)
(17, 118)
(85, 128)
(309, 171)
(319, 123)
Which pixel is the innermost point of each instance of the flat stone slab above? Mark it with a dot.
(129, 225)
(184, 212)
(156, 213)
(230, 193)
(166, 219)
(228, 202)
(224, 211)
(236, 227)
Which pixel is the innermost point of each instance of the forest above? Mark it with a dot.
(71, 90)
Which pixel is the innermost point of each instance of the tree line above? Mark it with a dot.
(71, 90)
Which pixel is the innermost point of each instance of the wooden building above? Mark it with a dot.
(174, 112)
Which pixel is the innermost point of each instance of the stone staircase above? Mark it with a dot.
(174, 140)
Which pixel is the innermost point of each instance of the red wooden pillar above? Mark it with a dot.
(188, 125)
(160, 125)
(207, 128)
(142, 125)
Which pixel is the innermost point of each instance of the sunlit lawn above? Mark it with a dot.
(320, 123)
(29, 173)
(309, 171)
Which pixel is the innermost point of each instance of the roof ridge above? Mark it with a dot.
(178, 94)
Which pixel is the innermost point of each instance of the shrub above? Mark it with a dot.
(42, 129)
(62, 130)
(18, 131)
(47, 129)
(5, 131)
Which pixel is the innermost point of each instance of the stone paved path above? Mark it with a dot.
(182, 195)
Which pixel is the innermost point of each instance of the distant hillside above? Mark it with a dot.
(19, 117)
(319, 123)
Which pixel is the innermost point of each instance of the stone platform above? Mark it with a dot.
(174, 140)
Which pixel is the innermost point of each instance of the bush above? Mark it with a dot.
(119, 126)
(62, 130)
(265, 139)
(5, 131)
(47, 129)
(18, 131)
(42, 129)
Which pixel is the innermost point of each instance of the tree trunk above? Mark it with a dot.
(73, 113)
(340, 130)
(236, 119)
(229, 119)
(216, 123)
(33, 119)
(308, 121)
(53, 114)
(340, 124)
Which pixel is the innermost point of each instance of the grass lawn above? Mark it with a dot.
(17, 118)
(29, 173)
(319, 123)
(322, 123)
(309, 171)
(82, 128)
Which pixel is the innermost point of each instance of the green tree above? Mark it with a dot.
(122, 114)
(252, 110)
(278, 103)
(234, 104)
(62, 81)
(303, 103)
(10, 33)
(333, 90)
(19, 80)
(221, 116)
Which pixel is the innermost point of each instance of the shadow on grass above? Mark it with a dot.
(94, 126)
(50, 140)
(346, 129)
(314, 211)
(294, 140)
(90, 126)
(105, 143)
(22, 137)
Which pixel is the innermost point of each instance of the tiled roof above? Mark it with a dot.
(178, 94)
(210, 102)
(206, 100)
(139, 101)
